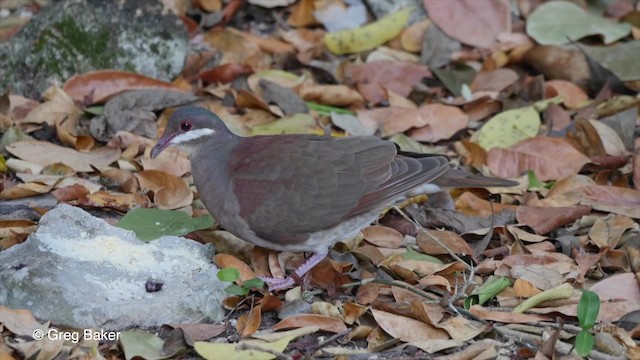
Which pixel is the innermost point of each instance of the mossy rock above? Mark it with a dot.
(76, 36)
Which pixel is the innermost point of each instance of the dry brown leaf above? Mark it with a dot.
(540, 276)
(606, 232)
(374, 78)
(332, 95)
(549, 158)
(471, 205)
(461, 329)
(97, 86)
(199, 332)
(20, 191)
(117, 201)
(249, 322)
(171, 160)
(58, 107)
(507, 317)
(20, 322)
(45, 153)
(170, 191)
(325, 323)
(411, 38)
(9, 227)
(613, 199)
(69, 193)
(496, 80)
(407, 329)
(352, 311)
(546, 219)
(525, 289)
(225, 261)
(441, 122)
(268, 44)
(473, 22)
(383, 236)
(573, 96)
(237, 49)
(391, 120)
(451, 240)
(611, 141)
(302, 14)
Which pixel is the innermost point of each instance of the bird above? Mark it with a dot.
(301, 193)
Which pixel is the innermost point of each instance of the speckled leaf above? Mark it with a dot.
(509, 127)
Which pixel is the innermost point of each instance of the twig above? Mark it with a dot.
(329, 340)
(437, 241)
(395, 283)
(277, 354)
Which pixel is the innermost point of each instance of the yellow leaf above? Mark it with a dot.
(369, 36)
(509, 127)
(229, 352)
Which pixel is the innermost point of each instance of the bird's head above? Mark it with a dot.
(188, 127)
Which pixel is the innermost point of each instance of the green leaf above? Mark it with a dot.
(454, 79)
(486, 292)
(588, 309)
(559, 22)
(3, 164)
(254, 283)
(414, 255)
(94, 110)
(228, 274)
(534, 183)
(234, 289)
(327, 110)
(584, 343)
(149, 224)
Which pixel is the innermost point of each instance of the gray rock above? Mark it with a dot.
(76, 36)
(77, 270)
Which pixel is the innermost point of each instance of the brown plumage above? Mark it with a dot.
(300, 192)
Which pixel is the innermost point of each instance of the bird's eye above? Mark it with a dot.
(185, 126)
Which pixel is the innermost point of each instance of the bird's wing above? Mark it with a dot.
(290, 186)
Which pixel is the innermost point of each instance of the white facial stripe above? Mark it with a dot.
(191, 135)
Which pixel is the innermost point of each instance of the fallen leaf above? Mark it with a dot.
(383, 236)
(325, 323)
(117, 201)
(506, 317)
(509, 127)
(332, 95)
(20, 322)
(390, 120)
(573, 96)
(606, 232)
(225, 260)
(558, 23)
(548, 158)
(496, 80)
(97, 86)
(546, 219)
(451, 240)
(170, 191)
(407, 329)
(249, 322)
(471, 205)
(473, 22)
(442, 122)
(374, 78)
(369, 36)
(45, 153)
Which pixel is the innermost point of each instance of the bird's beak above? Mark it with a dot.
(163, 142)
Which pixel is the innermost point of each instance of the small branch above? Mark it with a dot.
(437, 241)
(277, 354)
(328, 341)
(395, 283)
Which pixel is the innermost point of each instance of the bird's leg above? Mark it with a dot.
(289, 281)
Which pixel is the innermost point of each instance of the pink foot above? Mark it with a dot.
(285, 283)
